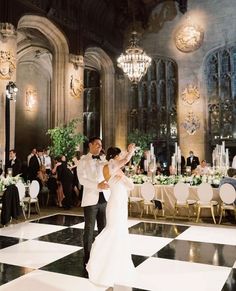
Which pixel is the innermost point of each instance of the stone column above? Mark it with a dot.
(8, 51)
(122, 95)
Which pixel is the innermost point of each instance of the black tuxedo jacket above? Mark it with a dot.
(16, 167)
(194, 164)
(33, 168)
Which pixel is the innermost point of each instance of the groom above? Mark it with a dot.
(95, 195)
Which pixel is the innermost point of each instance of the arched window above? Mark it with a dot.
(221, 93)
(155, 110)
(91, 103)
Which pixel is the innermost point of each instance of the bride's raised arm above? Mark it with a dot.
(117, 164)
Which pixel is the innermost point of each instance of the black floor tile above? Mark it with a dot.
(69, 265)
(10, 272)
(61, 219)
(230, 284)
(199, 252)
(157, 229)
(137, 260)
(68, 236)
(6, 241)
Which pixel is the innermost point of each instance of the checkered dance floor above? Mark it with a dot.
(47, 254)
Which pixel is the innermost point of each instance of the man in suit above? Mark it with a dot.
(34, 164)
(192, 161)
(95, 194)
(14, 163)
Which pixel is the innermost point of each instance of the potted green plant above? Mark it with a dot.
(65, 139)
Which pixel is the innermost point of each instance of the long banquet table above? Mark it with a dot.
(166, 193)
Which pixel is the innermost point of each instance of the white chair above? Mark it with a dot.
(21, 190)
(228, 197)
(205, 195)
(181, 193)
(147, 193)
(33, 196)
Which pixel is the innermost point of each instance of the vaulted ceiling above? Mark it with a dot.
(96, 22)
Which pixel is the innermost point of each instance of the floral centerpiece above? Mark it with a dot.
(193, 180)
(7, 181)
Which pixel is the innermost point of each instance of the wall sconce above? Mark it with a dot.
(30, 99)
(11, 90)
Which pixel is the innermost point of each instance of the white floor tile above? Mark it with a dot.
(49, 281)
(29, 230)
(35, 254)
(210, 234)
(132, 222)
(81, 226)
(168, 275)
(147, 245)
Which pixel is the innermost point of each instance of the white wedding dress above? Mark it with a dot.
(110, 258)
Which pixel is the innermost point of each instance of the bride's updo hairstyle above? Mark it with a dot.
(112, 152)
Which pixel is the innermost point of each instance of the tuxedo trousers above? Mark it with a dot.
(92, 214)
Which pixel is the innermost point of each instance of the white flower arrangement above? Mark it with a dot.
(171, 180)
(9, 180)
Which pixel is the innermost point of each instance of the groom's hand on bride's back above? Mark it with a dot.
(103, 185)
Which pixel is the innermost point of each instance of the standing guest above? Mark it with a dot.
(95, 194)
(46, 160)
(54, 184)
(77, 191)
(34, 165)
(14, 163)
(33, 152)
(144, 162)
(182, 165)
(65, 176)
(192, 161)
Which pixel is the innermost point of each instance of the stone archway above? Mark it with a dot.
(60, 62)
(96, 58)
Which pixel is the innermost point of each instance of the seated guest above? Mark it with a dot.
(14, 163)
(42, 178)
(202, 169)
(231, 178)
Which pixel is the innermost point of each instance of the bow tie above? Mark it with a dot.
(96, 157)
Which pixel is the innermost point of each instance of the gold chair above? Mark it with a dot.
(205, 195)
(228, 197)
(181, 193)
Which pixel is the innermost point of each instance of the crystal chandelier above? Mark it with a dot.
(134, 62)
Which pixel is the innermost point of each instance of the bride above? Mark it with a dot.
(110, 258)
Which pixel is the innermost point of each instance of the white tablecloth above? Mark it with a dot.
(166, 193)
